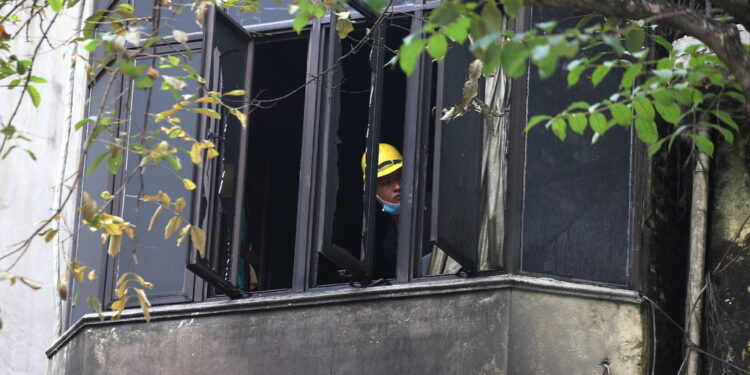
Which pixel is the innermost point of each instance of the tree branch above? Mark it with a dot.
(722, 38)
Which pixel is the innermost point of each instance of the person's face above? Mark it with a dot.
(389, 187)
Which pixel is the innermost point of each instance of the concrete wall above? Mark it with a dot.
(30, 190)
(457, 327)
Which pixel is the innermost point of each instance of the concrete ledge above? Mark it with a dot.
(433, 286)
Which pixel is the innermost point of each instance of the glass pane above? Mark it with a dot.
(89, 250)
(269, 211)
(269, 11)
(157, 260)
(576, 205)
(178, 15)
(220, 175)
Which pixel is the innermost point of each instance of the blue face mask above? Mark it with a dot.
(392, 208)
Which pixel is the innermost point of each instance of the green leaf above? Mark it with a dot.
(662, 42)
(511, 7)
(726, 118)
(628, 78)
(644, 109)
(8, 131)
(409, 53)
(144, 82)
(437, 46)
(613, 42)
(728, 136)
(114, 162)
(578, 122)
(98, 161)
(129, 68)
(491, 18)
(598, 123)
(621, 114)
(535, 120)
(83, 122)
(736, 96)
(56, 5)
(514, 59)
(634, 39)
(704, 144)
(654, 147)
(36, 79)
(599, 73)
(458, 31)
(445, 13)
(558, 127)
(669, 112)
(175, 163)
(575, 74)
(36, 98)
(646, 130)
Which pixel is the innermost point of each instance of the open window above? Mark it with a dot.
(249, 194)
(364, 104)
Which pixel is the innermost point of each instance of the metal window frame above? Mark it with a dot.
(515, 191)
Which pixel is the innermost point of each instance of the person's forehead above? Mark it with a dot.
(394, 174)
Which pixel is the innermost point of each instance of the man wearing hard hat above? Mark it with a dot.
(388, 195)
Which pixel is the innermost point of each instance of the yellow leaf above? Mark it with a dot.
(209, 99)
(240, 115)
(206, 112)
(112, 229)
(92, 275)
(150, 198)
(190, 185)
(129, 231)
(199, 240)
(344, 27)
(155, 218)
(183, 233)
(88, 207)
(119, 306)
(235, 93)
(214, 93)
(195, 153)
(180, 204)
(212, 153)
(115, 242)
(104, 237)
(168, 113)
(143, 283)
(79, 270)
(172, 226)
(145, 304)
(50, 235)
(164, 198)
(122, 278)
(207, 144)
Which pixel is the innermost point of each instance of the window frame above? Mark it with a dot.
(311, 199)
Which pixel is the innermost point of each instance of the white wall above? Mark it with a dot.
(30, 190)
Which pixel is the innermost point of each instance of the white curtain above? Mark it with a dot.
(494, 157)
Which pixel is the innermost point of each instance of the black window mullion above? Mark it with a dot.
(516, 147)
(373, 141)
(412, 180)
(304, 261)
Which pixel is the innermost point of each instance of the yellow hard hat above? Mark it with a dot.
(389, 160)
